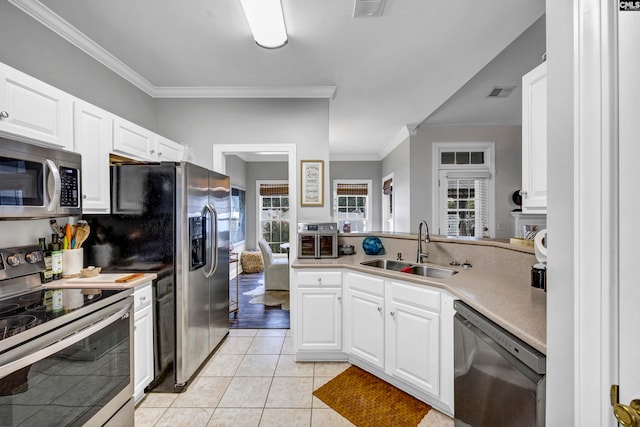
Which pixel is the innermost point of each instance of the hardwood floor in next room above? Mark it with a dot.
(254, 316)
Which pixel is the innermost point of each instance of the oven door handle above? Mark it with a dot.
(57, 186)
(62, 339)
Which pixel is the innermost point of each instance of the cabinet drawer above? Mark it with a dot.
(365, 283)
(319, 278)
(142, 296)
(414, 296)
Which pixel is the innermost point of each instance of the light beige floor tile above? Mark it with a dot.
(286, 418)
(157, 400)
(257, 365)
(246, 392)
(287, 347)
(235, 417)
(243, 332)
(328, 417)
(329, 369)
(290, 392)
(435, 419)
(288, 367)
(235, 345)
(148, 416)
(222, 365)
(272, 332)
(289, 333)
(317, 383)
(266, 345)
(185, 417)
(205, 392)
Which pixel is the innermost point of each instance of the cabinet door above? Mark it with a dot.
(34, 111)
(320, 314)
(413, 336)
(143, 350)
(364, 327)
(534, 140)
(93, 133)
(167, 150)
(132, 140)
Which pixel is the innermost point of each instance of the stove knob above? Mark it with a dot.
(33, 257)
(13, 260)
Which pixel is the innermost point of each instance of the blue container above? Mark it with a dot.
(372, 246)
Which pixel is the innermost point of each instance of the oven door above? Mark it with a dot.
(327, 245)
(307, 245)
(78, 374)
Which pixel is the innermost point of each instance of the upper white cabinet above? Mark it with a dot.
(534, 140)
(167, 150)
(93, 133)
(133, 141)
(33, 111)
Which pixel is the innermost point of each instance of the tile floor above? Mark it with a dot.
(253, 380)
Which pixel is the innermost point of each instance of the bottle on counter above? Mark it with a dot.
(56, 257)
(47, 274)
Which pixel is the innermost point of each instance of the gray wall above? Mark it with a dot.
(33, 49)
(399, 162)
(561, 294)
(508, 145)
(258, 171)
(237, 171)
(361, 170)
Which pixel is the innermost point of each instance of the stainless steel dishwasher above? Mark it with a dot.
(499, 380)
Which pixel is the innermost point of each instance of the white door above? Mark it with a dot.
(629, 234)
(364, 326)
(320, 314)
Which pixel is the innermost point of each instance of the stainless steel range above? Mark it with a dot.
(59, 365)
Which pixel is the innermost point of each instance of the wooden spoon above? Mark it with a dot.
(81, 235)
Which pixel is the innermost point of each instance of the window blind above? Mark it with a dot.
(274, 189)
(352, 190)
(387, 187)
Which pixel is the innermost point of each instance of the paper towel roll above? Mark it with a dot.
(540, 245)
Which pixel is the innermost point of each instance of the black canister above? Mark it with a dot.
(539, 276)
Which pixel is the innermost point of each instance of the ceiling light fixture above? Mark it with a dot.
(266, 22)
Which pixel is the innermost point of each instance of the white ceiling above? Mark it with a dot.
(389, 72)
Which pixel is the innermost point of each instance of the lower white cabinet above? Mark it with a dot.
(319, 313)
(142, 339)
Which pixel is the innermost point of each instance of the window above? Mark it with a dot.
(463, 175)
(273, 213)
(352, 205)
(387, 203)
(238, 215)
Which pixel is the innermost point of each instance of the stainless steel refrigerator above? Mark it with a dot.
(172, 219)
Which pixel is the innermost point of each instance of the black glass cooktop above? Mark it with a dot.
(26, 311)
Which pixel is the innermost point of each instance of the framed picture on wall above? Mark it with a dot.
(312, 182)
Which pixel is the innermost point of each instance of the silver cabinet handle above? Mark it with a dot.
(84, 196)
(152, 151)
(379, 309)
(339, 298)
(523, 194)
(392, 313)
(319, 280)
(4, 115)
(159, 153)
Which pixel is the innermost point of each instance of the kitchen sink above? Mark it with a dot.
(410, 268)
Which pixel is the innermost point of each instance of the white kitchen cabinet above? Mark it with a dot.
(534, 140)
(143, 339)
(93, 133)
(364, 318)
(131, 140)
(413, 335)
(319, 314)
(33, 111)
(167, 150)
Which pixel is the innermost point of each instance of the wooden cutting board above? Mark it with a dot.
(102, 281)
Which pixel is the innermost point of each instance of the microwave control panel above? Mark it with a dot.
(70, 187)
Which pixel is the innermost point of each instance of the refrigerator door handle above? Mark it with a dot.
(214, 239)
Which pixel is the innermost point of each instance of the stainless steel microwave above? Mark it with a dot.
(38, 182)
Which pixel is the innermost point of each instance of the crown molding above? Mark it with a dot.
(246, 92)
(41, 13)
(55, 23)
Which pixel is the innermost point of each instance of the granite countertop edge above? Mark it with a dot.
(519, 309)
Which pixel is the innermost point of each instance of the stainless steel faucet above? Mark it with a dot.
(423, 236)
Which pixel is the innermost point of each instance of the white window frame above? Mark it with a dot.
(489, 166)
(259, 208)
(369, 215)
(388, 219)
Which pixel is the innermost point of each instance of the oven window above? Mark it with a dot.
(21, 183)
(326, 245)
(307, 246)
(69, 387)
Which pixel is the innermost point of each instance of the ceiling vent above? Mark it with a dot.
(501, 91)
(364, 8)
